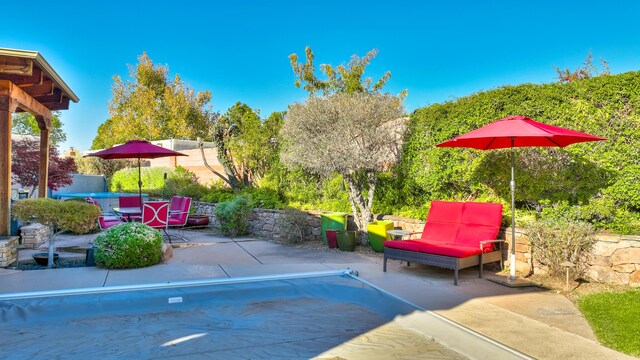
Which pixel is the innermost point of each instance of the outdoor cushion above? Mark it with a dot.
(471, 235)
(450, 250)
(409, 245)
(440, 232)
(482, 214)
(445, 212)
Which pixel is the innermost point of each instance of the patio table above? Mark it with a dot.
(128, 212)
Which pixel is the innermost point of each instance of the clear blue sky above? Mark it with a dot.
(238, 49)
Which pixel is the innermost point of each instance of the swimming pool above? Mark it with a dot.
(107, 200)
(283, 316)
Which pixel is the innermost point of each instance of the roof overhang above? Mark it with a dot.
(30, 71)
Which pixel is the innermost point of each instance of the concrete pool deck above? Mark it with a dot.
(537, 322)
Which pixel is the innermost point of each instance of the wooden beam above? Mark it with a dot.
(7, 106)
(43, 170)
(45, 88)
(16, 66)
(62, 105)
(36, 78)
(25, 101)
(55, 97)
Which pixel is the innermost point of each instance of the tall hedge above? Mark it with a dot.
(601, 179)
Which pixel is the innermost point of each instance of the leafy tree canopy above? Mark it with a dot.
(245, 144)
(345, 78)
(26, 124)
(151, 106)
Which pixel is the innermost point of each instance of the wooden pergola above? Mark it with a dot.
(27, 83)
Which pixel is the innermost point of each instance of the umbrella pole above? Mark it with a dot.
(139, 183)
(512, 248)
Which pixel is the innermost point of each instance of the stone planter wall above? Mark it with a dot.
(8, 250)
(34, 235)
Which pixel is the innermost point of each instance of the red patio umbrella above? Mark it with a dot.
(512, 132)
(139, 149)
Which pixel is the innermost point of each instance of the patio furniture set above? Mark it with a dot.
(160, 215)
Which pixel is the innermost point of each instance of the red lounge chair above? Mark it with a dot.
(457, 235)
(106, 220)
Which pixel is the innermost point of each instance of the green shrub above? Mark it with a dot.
(74, 216)
(293, 223)
(555, 241)
(578, 174)
(128, 246)
(233, 216)
(126, 180)
(218, 195)
(263, 198)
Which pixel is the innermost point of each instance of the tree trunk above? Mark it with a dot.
(360, 206)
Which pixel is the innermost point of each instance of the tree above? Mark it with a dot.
(587, 71)
(25, 123)
(25, 165)
(152, 107)
(97, 166)
(245, 144)
(356, 135)
(341, 79)
(61, 216)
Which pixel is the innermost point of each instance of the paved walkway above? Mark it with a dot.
(539, 323)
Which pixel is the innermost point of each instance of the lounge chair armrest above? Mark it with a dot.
(482, 242)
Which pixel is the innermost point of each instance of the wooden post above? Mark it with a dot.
(7, 107)
(43, 171)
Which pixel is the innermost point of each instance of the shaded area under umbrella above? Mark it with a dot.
(512, 132)
(133, 149)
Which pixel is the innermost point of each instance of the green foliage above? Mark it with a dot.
(234, 216)
(340, 79)
(246, 146)
(152, 106)
(613, 316)
(77, 217)
(263, 198)
(183, 182)
(128, 246)
(24, 123)
(180, 181)
(556, 241)
(585, 175)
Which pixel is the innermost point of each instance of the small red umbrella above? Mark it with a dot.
(512, 132)
(139, 149)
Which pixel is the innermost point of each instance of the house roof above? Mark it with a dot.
(33, 74)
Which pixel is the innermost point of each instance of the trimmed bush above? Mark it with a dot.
(128, 246)
(233, 216)
(556, 241)
(74, 216)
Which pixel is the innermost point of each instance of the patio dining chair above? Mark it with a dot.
(130, 202)
(106, 220)
(179, 213)
(155, 214)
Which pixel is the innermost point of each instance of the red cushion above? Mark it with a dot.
(450, 250)
(445, 211)
(439, 232)
(471, 235)
(410, 245)
(482, 214)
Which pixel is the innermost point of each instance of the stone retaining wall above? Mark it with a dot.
(34, 235)
(8, 250)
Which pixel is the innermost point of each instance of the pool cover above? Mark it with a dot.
(287, 317)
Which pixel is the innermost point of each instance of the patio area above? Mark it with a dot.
(534, 321)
